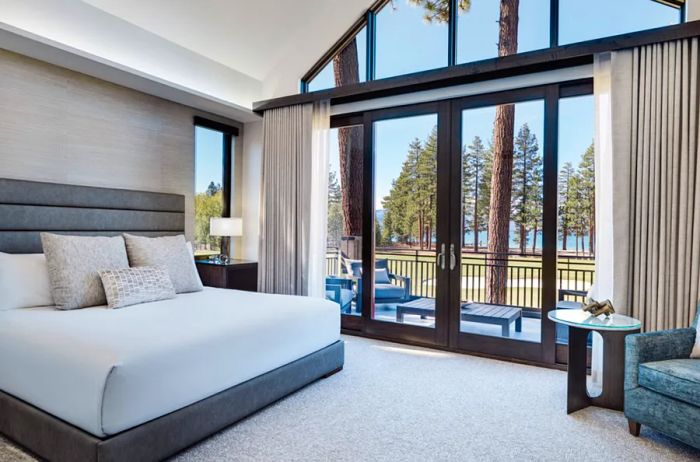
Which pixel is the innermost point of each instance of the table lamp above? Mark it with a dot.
(226, 228)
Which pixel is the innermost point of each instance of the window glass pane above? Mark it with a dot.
(502, 275)
(344, 241)
(576, 208)
(405, 184)
(477, 28)
(407, 40)
(358, 62)
(586, 20)
(209, 197)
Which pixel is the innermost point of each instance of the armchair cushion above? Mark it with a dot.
(675, 378)
(655, 346)
(388, 291)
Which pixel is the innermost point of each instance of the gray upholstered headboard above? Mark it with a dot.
(29, 207)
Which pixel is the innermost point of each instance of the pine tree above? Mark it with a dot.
(425, 190)
(483, 204)
(526, 199)
(213, 188)
(335, 211)
(502, 165)
(586, 171)
(400, 207)
(473, 167)
(566, 198)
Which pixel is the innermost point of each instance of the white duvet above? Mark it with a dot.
(106, 370)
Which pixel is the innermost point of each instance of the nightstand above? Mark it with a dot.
(237, 274)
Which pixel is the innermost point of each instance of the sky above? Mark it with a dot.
(209, 147)
(406, 43)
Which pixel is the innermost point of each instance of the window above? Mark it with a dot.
(355, 50)
(399, 37)
(214, 144)
(580, 21)
(409, 39)
(480, 19)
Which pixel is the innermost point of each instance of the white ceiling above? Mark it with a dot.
(250, 36)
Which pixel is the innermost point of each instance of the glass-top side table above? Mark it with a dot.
(613, 330)
(584, 320)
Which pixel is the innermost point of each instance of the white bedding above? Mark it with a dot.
(109, 370)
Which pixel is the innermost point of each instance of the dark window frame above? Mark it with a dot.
(227, 157)
(368, 19)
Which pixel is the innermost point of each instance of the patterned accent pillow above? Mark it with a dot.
(74, 263)
(170, 252)
(130, 286)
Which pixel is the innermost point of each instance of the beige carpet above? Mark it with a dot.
(397, 403)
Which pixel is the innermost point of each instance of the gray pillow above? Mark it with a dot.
(130, 286)
(170, 252)
(74, 263)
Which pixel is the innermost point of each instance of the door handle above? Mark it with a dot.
(441, 257)
(453, 257)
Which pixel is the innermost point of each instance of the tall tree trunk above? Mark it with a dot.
(565, 236)
(523, 239)
(534, 239)
(591, 235)
(502, 179)
(346, 71)
(476, 209)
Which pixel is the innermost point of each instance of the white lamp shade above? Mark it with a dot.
(226, 227)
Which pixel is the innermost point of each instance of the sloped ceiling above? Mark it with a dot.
(227, 53)
(251, 36)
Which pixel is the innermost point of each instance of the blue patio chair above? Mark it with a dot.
(388, 287)
(339, 290)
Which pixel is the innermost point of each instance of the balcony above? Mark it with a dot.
(523, 285)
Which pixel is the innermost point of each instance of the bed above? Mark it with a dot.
(143, 382)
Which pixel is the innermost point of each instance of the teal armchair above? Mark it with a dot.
(662, 384)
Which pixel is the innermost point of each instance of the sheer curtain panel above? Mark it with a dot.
(294, 199)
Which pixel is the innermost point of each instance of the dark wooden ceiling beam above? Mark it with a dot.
(524, 63)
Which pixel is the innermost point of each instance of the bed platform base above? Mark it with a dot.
(57, 441)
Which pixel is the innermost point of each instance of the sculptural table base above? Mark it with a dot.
(612, 395)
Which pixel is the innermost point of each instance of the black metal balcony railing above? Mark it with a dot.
(523, 274)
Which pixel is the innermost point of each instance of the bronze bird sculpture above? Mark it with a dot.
(597, 308)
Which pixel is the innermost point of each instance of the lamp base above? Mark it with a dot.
(226, 246)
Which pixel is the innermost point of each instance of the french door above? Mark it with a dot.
(458, 243)
(406, 295)
(503, 158)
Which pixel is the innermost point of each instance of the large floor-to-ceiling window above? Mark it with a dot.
(461, 221)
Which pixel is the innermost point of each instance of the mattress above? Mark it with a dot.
(106, 370)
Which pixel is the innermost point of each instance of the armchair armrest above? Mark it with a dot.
(405, 282)
(336, 291)
(655, 346)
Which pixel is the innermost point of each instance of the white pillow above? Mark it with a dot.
(24, 281)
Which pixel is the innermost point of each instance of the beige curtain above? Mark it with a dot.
(294, 199)
(656, 178)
